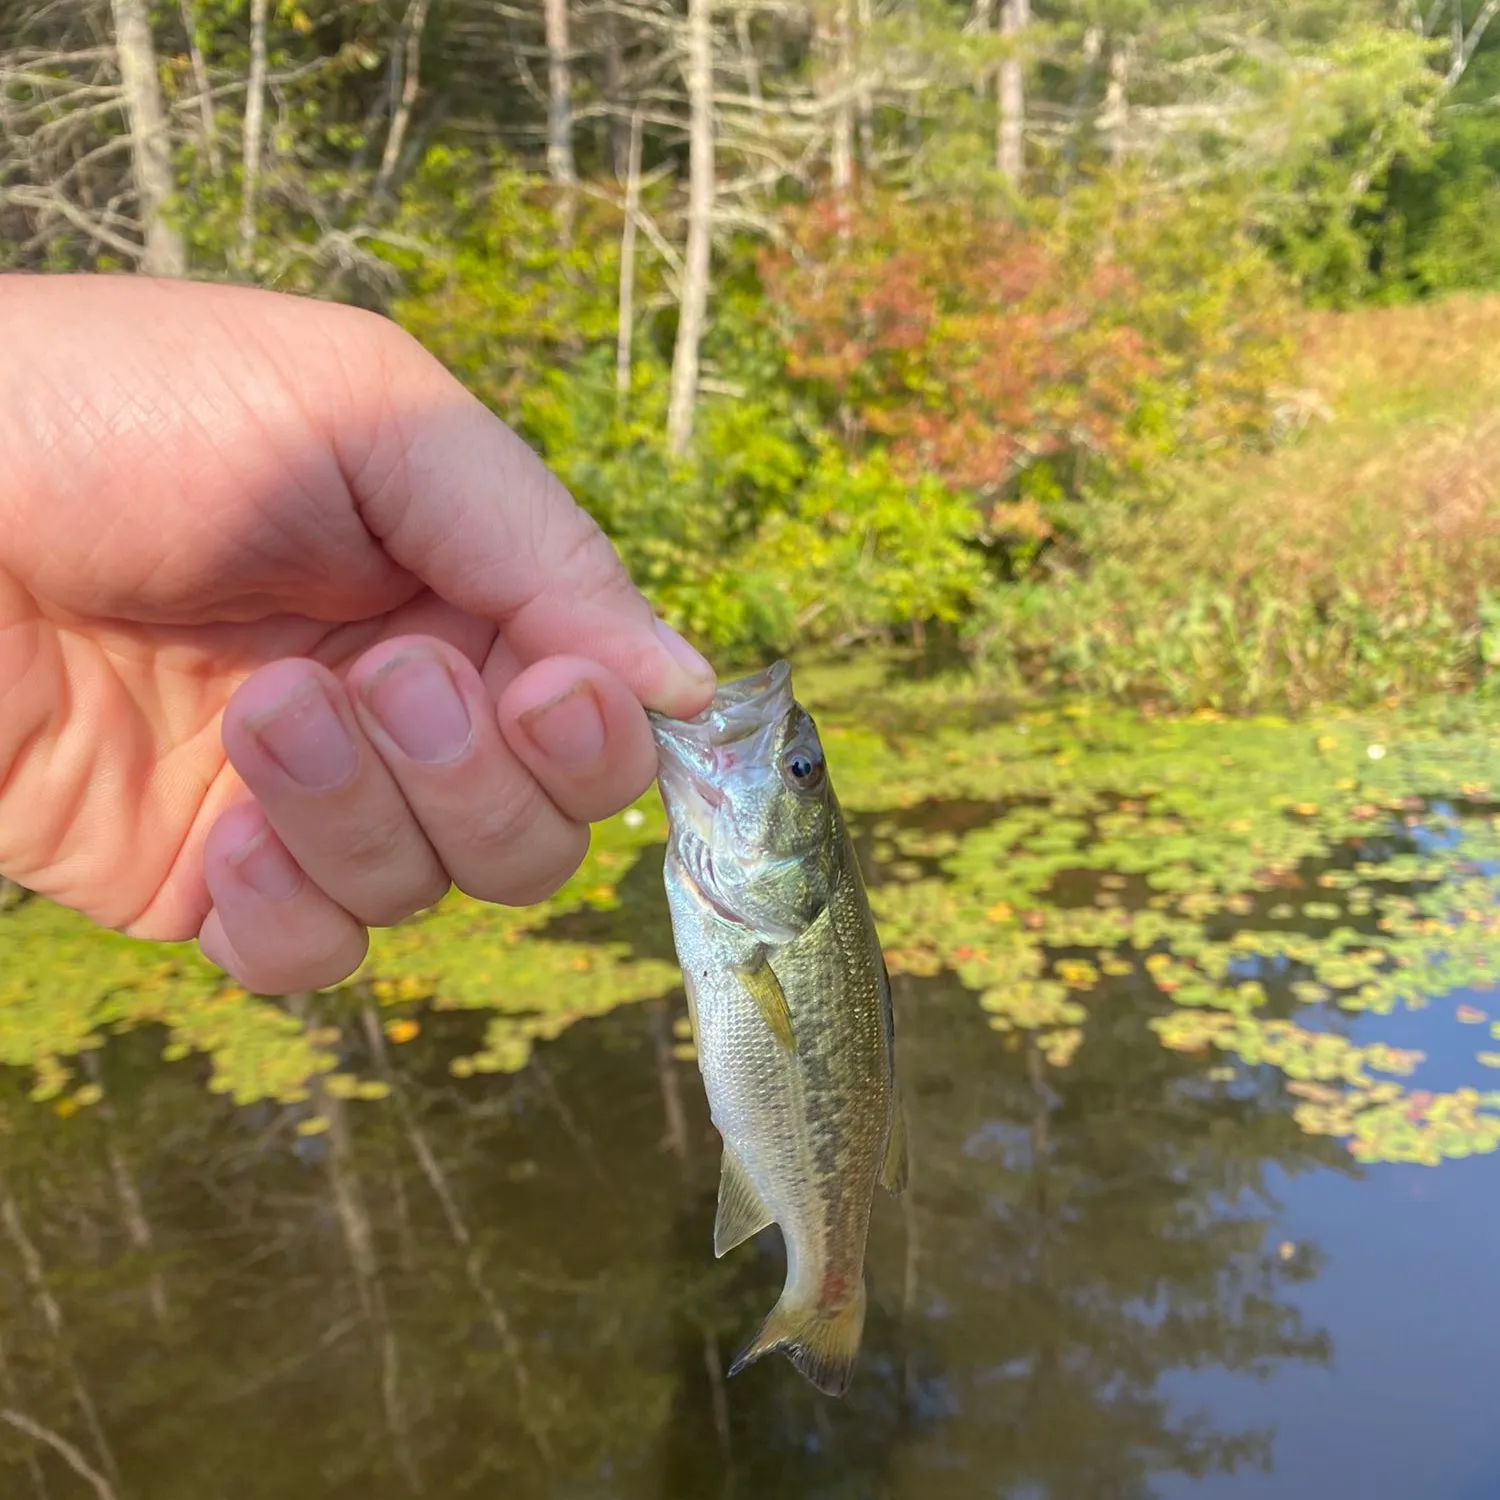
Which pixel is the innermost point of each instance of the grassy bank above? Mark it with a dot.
(1358, 560)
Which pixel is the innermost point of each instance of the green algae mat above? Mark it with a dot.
(1267, 894)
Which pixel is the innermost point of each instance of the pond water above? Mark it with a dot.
(1199, 1047)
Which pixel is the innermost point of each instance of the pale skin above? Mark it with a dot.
(294, 634)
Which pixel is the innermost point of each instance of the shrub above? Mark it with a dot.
(1031, 361)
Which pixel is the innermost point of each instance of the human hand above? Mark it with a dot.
(293, 632)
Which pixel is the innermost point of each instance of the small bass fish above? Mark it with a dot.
(790, 1006)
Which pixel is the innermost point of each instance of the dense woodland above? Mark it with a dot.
(847, 317)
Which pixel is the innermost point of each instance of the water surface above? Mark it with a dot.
(1199, 1069)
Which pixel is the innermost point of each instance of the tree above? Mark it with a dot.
(693, 307)
(150, 144)
(1010, 141)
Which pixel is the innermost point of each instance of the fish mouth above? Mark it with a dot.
(696, 756)
(739, 709)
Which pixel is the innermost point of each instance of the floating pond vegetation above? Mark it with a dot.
(65, 983)
(1258, 892)
(1239, 872)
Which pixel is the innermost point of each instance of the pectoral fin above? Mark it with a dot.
(893, 1173)
(741, 1213)
(764, 988)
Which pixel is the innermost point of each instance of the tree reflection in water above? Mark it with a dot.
(505, 1285)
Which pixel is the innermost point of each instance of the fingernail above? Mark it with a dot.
(267, 868)
(417, 702)
(308, 740)
(691, 661)
(568, 729)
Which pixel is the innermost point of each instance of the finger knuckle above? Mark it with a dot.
(387, 908)
(499, 826)
(363, 844)
(539, 874)
(582, 553)
(380, 870)
(326, 956)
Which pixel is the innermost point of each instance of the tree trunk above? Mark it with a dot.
(132, 1207)
(983, 22)
(749, 63)
(1116, 112)
(1010, 142)
(150, 145)
(614, 94)
(403, 100)
(11, 1392)
(700, 214)
(205, 95)
(352, 1211)
(864, 105)
(255, 104)
(842, 153)
(624, 337)
(35, 1275)
(560, 165)
(437, 1180)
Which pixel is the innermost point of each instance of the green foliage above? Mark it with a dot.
(495, 290)
(64, 982)
(767, 532)
(1213, 310)
(860, 543)
(942, 396)
(1447, 203)
(1363, 98)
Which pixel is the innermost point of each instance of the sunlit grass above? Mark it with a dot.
(1359, 558)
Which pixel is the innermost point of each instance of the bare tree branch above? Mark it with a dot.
(63, 1448)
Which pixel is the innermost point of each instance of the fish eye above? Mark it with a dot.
(802, 768)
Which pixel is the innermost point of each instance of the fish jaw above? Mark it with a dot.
(731, 737)
(731, 743)
(739, 707)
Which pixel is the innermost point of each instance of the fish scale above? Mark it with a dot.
(790, 1004)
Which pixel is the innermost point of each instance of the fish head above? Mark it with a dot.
(752, 813)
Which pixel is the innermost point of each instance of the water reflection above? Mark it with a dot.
(505, 1285)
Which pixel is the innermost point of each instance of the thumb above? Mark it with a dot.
(456, 498)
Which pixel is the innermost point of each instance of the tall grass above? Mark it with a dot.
(1359, 559)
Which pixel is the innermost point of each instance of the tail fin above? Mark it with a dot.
(822, 1343)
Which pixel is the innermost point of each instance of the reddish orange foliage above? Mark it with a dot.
(964, 342)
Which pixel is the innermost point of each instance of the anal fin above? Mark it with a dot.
(764, 988)
(894, 1171)
(741, 1213)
